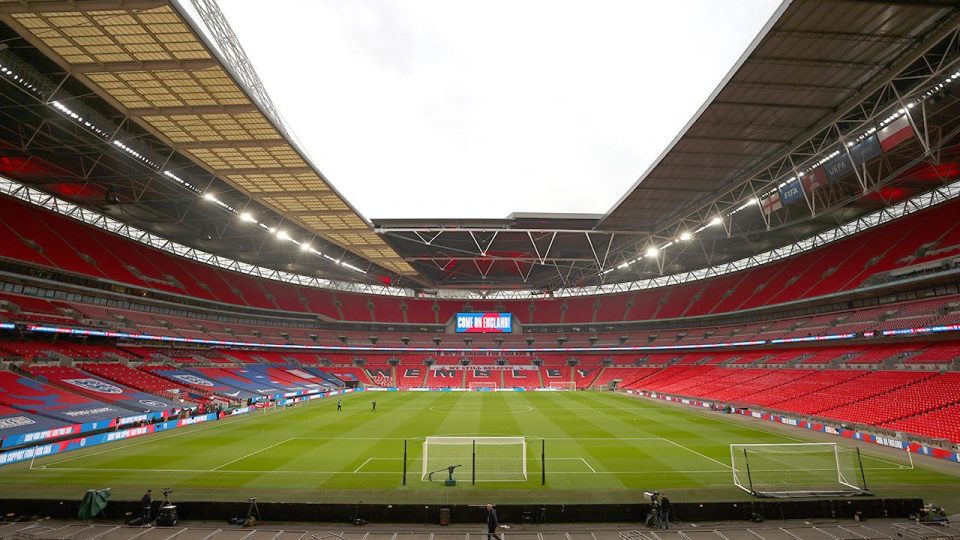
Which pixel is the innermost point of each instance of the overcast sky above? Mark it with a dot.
(450, 108)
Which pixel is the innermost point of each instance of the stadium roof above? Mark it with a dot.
(191, 122)
(145, 58)
(813, 60)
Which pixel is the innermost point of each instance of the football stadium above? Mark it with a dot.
(766, 325)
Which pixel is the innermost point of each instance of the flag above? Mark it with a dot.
(791, 193)
(895, 133)
(771, 204)
(865, 151)
(838, 167)
(381, 380)
(814, 179)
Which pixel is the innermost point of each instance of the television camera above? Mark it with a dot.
(653, 517)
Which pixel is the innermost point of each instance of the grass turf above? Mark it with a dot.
(600, 447)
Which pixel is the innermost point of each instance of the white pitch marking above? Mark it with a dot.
(251, 454)
(697, 453)
(361, 465)
(594, 471)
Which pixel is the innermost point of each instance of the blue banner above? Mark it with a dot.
(866, 150)
(838, 167)
(791, 192)
(25, 454)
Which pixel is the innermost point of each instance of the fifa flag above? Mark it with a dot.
(791, 192)
(895, 133)
(771, 204)
(813, 179)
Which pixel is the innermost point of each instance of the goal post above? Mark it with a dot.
(797, 469)
(564, 385)
(482, 386)
(482, 459)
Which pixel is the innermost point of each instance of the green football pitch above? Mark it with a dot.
(599, 447)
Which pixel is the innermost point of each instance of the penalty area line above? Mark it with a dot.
(362, 465)
(245, 456)
(697, 453)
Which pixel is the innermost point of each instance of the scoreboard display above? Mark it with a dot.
(484, 323)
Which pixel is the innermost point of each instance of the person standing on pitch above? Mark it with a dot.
(374, 404)
(339, 405)
(145, 503)
(492, 522)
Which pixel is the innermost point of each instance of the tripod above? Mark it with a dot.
(252, 510)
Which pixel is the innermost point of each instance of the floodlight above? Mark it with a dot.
(282, 235)
(686, 236)
(305, 246)
(652, 251)
(210, 197)
(246, 216)
(717, 220)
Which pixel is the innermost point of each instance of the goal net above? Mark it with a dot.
(565, 385)
(797, 469)
(481, 459)
(483, 386)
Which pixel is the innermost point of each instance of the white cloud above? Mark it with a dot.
(447, 108)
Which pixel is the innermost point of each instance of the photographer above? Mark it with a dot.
(145, 502)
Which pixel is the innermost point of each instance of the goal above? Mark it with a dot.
(566, 385)
(797, 469)
(481, 459)
(483, 386)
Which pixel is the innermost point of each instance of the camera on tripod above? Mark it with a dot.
(168, 511)
(653, 516)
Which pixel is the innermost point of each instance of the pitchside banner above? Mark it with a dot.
(25, 454)
(484, 323)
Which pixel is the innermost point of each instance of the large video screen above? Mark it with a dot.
(501, 323)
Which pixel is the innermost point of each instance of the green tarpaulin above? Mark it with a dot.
(93, 503)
